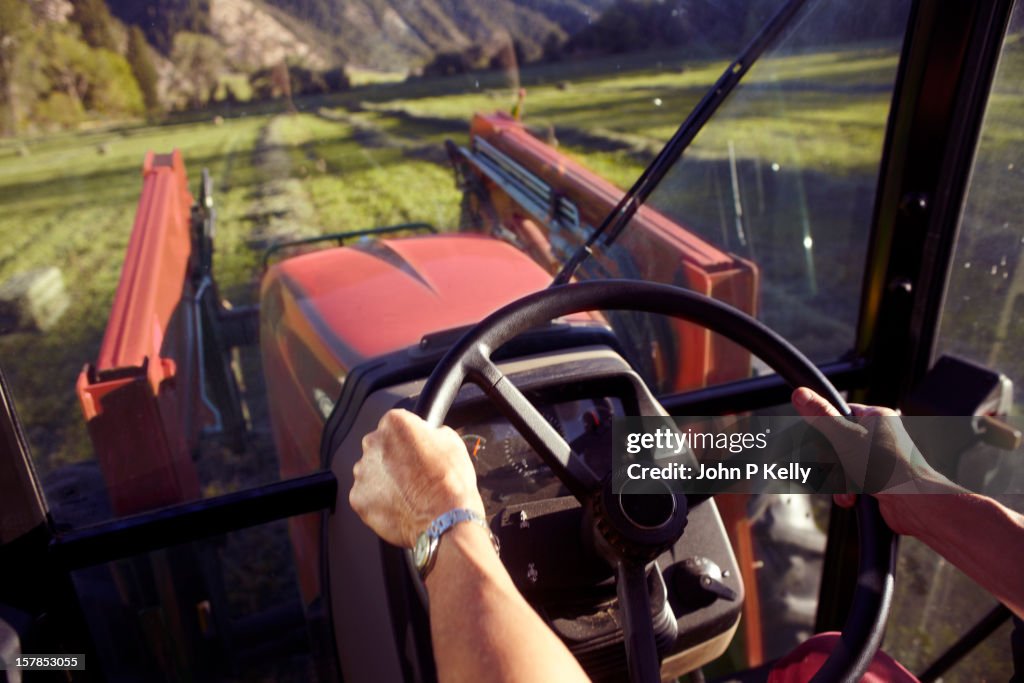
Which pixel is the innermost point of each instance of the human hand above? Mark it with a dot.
(877, 455)
(411, 473)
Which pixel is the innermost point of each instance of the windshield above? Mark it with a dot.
(770, 204)
(783, 175)
(304, 124)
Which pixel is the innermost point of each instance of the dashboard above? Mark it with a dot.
(546, 537)
(510, 472)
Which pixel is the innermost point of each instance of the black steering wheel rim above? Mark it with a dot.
(469, 359)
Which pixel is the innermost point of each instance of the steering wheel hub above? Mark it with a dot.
(647, 510)
(638, 522)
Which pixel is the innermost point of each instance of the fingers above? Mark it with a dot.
(861, 410)
(844, 435)
(401, 422)
(824, 417)
(370, 442)
(356, 494)
(810, 404)
(408, 474)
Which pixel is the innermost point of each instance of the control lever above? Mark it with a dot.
(997, 433)
(698, 582)
(955, 386)
(975, 398)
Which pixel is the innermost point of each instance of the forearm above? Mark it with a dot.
(979, 536)
(482, 627)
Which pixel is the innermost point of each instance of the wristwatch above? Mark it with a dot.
(424, 553)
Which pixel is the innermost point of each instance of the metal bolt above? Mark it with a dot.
(914, 203)
(902, 285)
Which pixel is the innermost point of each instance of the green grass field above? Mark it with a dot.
(805, 129)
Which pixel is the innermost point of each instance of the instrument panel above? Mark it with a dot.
(509, 471)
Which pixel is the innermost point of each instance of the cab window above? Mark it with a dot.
(781, 181)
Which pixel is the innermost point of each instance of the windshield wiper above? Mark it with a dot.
(618, 218)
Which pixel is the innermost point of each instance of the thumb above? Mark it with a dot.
(846, 436)
(824, 417)
(809, 403)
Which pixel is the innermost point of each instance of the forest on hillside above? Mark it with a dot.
(65, 62)
(54, 69)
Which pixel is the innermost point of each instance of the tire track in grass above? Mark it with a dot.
(358, 176)
(367, 134)
(638, 147)
(618, 157)
(282, 209)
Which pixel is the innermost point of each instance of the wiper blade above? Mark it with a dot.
(618, 218)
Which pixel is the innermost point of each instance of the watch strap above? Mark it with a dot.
(444, 523)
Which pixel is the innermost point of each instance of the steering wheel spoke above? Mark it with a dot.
(635, 608)
(542, 436)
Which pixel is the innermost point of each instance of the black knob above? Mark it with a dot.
(698, 582)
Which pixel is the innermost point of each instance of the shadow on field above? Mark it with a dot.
(806, 231)
(116, 181)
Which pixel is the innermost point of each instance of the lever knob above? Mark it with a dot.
(698, 582)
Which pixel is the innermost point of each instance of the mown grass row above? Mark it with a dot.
(824, 111)
(364, 179)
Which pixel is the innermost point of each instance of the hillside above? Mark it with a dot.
(253, 37)
(398, 34)
(65, 62)
(377, 34)
(405, 35)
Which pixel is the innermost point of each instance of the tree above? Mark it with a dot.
(141, 63)
(75, 79)
(111, 87)
(201, 60)
(161, 20)
(282, 81)
(14, 23)
(93, 17)
(67, 65)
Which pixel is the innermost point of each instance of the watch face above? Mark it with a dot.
(421, 550)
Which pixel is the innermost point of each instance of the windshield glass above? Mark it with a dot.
(162, 161)
(768, 210)
(780, 183)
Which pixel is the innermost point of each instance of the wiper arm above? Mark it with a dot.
(618, 218)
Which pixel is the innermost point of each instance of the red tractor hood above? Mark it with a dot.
(374, 298)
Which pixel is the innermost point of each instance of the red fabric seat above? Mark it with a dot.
(800, 665)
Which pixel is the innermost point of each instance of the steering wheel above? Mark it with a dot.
(627, 545)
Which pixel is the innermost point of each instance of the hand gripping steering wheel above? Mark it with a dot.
(629, 546)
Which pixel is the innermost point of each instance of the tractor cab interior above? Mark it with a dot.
(832, 212)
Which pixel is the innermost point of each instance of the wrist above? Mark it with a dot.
(429, 541)
(917, 514)
(449, 498)
(464, 546)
